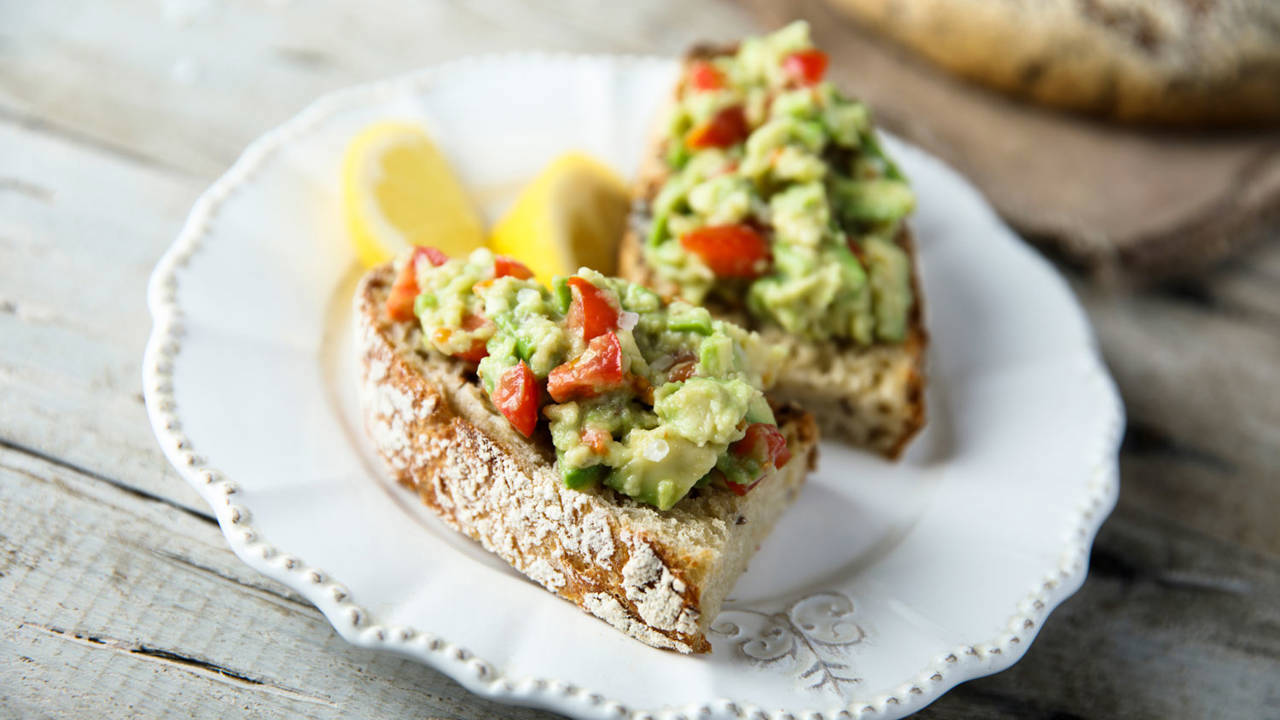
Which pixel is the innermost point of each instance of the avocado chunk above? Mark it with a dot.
(716, 354)
(661, 467)
(704, 410)
(873, 201)
(578, 478)
(561, 295)
(890, 287)
(690, 319)
(739, 470)
(758, 411)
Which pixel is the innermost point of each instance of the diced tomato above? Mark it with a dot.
(504, 266)
(806, 66)
(405, 290)
(597, 370)
(704, 76)
(596, 439)
(764, 443)
(590, 311)
(729, 250)
(403, 294)
(726, 128)
(740, 490)
(433, 255)
(516, 397)
(477, 351)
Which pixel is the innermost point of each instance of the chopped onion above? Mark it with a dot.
(656, 450)
(627, 320)
(528, 296)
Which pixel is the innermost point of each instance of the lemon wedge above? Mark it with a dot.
(398, 191)
(572, 214)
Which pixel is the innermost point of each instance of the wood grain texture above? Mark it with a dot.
(121, 597)
(119, 605)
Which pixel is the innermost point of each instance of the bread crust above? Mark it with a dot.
(657, 576)
(1174, 62)
(870, 396)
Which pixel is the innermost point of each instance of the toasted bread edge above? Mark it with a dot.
(654, 576)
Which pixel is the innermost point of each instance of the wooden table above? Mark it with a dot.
(120, 597)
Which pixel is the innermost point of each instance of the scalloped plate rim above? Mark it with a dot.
(353, 622)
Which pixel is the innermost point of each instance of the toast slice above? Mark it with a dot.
(658, 576)
(871, 396)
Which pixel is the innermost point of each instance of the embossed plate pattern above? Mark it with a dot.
(883, 587)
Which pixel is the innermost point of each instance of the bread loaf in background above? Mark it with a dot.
(1174, 62)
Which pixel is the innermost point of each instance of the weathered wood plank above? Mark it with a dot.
(80, 229)
(120, 606)
(1170, 624)
(116, 596)
(1199, 369)
(112, 119)
(156, 80)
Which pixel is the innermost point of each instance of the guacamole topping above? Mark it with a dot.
(780, 194)
(649, 398)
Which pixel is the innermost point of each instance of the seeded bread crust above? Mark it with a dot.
(1181, 62)
(657, 576)
(872, 396)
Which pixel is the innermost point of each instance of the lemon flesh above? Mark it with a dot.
(573, 214)
(398, 191)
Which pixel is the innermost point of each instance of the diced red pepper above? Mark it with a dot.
(704, 76)
(403, 294)
(590, 312)
(729, 250)
(597, 370)
(596, 439)
(725, 129)
(504, 266)
(433, 255)
(806, 66)
(516, 397)
(478, 350)
(765, 444)
(405, 290)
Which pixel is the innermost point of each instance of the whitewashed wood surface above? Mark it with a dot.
(119, 598)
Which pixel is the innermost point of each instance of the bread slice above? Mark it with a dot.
(659, 576)
(870, 396)
(1178, 62)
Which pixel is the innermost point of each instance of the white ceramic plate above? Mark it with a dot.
(883, 587)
